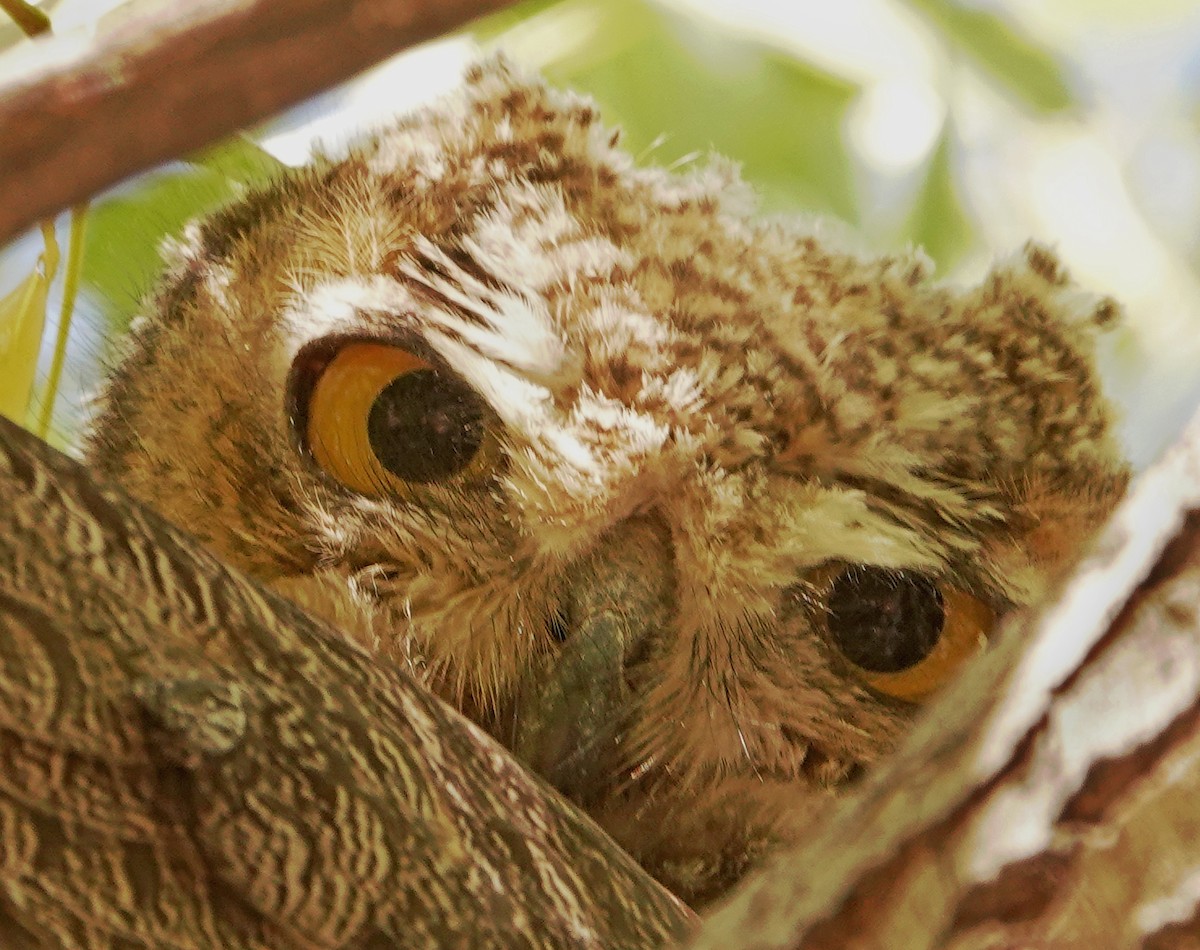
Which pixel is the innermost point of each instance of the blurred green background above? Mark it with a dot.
(962, 127)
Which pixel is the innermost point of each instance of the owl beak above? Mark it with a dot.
(573, 706)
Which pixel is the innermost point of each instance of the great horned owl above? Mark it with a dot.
(690, 509)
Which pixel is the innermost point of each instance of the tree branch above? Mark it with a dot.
(164, 78)
(1051, 796)
(189, 760)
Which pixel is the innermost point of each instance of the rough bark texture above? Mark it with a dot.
(185, 757)
(167, 77)
(1052, 795)
(187, 760)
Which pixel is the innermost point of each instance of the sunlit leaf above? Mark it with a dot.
(938, 222)
(74, 270)
(1026, 67)
(239, 159)
(22, 319)
(496, 24)
(654, 73)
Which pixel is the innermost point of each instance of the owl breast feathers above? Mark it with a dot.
(688, 508)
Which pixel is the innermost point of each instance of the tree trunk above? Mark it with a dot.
(188, 760)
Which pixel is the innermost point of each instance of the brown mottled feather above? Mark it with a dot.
(746, 398)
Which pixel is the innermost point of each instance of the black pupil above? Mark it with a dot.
(425, 426)
(884, 620)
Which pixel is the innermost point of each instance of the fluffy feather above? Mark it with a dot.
(749, 401)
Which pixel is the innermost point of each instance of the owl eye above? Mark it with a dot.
(380, 418)
(906, 632)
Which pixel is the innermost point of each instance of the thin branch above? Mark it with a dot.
(166, 78)
(29, 18)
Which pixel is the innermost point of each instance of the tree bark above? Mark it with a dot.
(164, 78)
(1051, 797)
(158, 706)
(185, 756)
(188, 760)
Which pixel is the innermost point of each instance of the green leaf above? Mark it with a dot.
(1026, 67)
(679, 90)
(239, 159)
(74, 271)
(126, 228)
(488, 28)
(22, 319)
(938, 222)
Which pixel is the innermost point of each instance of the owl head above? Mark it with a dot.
(690, 509)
